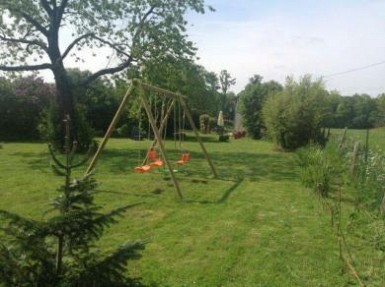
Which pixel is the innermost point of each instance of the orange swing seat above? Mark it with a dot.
(143, 168)
(157, 163)
(153, 157)
(183, 159)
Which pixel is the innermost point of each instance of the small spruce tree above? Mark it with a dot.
(60, 251)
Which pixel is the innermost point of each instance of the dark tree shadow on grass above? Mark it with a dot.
(37, 161)
(226, 194)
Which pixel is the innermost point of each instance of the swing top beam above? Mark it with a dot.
(158, 90)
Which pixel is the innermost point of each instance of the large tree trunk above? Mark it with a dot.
(64, 93)
(65, 100)
(65, 104)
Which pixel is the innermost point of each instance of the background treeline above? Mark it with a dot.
(291, 113)
(26, 102)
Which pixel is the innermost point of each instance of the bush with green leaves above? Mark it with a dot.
(60, 251)
(295, 117)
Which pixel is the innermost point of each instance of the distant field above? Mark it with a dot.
(254, 226)
(376, 137)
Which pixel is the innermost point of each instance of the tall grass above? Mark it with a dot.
(357, 203)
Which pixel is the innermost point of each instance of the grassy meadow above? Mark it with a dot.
(255, 225)
(376, 137)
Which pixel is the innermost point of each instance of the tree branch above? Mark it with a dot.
(34, 22)
(46, 7)
(25, 41)
(112, 45)
(25, 68)
(74, 42)
(141, 22)
(92, 35)
(125, 64)
(61, 9)
(103, 72)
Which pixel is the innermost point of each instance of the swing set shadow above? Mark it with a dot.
(225, 195)
(139, 88)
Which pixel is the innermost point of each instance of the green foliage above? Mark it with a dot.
(226, 102)
(252, 99)
(94, 25)
(99, 99)
(60, 251)
(295, 117)
(356, 112)
(226, 82)
(224, 138)
(318, 168)
(187, 78)
(370, 181)
(51, 127)
(21, 104)
(135, 32)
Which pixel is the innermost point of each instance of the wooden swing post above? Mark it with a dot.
(110, 129)
(192, 124)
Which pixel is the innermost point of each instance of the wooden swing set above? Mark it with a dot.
(139, 88)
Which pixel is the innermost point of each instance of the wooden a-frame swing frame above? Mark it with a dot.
(140, 88)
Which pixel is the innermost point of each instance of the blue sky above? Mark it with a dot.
(280, 38)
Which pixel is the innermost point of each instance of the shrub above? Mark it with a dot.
(295, 116)
(204, 123)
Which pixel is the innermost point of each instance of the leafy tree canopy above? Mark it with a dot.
(32, 33)
(252, 99)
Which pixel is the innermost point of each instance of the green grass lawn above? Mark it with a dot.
(254, 226)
